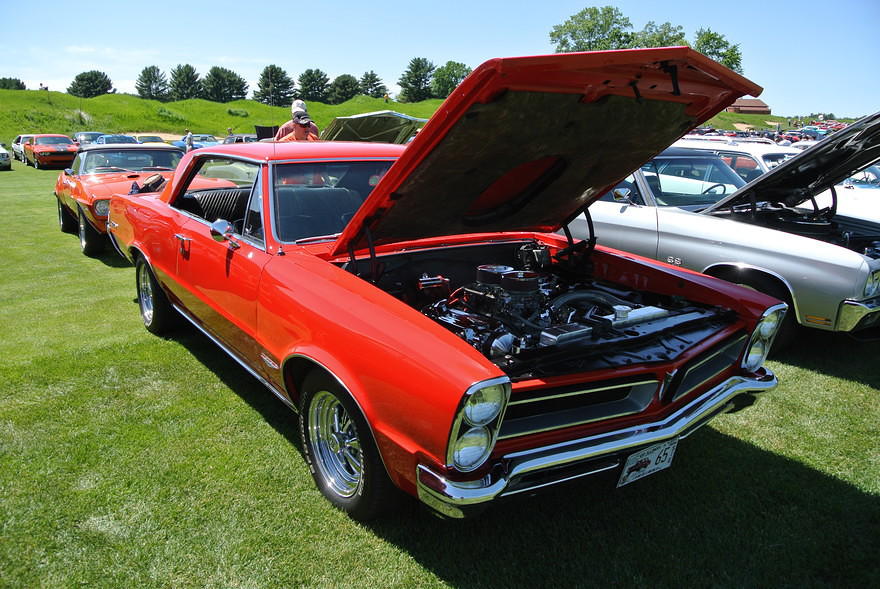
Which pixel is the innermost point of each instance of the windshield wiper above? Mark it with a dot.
(155, 168)
(317, 238)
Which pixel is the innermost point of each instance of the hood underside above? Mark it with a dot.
(384, 126)
(814, 170)
(525, 144)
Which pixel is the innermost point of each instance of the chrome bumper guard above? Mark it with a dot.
(852, 314)
(521, 471)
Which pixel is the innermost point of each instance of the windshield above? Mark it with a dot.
(118, 139)
(866, 178)
(150, 139)
(108, 161)
(690, 182)
(204, 138)
(319, 199)
(53, 141)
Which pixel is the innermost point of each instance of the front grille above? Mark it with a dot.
(706, 367)
(532, 412)
(541, 410)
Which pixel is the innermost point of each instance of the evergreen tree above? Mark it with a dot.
(274, 87)
(371, 85)
(185, 83)
(11, 84)
(313, 85)
(415, 83)
(344, 87)
(152, 84)
(447, 77)
(223, 85)
(90, 84)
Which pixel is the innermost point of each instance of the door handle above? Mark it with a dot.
(183, 242)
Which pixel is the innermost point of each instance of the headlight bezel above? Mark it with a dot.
(463, 424)
(761, 339)
(101, 207)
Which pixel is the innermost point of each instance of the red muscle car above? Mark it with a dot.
(414, 308)
(49, 150)
(83, 191)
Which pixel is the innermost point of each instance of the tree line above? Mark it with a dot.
(275, 87)
(591, 29)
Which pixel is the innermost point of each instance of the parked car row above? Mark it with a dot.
(422, 316)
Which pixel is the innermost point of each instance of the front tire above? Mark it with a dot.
(66, 221)
(340, 451)
(90, 241)
(158, 315)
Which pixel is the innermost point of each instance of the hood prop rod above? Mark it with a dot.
(672, 70)
(374, 265)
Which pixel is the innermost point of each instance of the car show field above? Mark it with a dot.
(130, 459)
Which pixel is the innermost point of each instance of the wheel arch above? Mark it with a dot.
(298, 366)
(734, 272)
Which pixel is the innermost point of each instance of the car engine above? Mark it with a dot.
(536, 316)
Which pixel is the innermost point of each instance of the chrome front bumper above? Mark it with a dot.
(528, 470)
(853, 314)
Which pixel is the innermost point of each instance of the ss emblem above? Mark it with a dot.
(673, 260)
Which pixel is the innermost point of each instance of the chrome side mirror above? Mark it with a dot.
(621, 195)
(68, 171)
(222, 230)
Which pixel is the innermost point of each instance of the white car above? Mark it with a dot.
(5, 158)
(18, 146)
(749, 159)
(858, 196)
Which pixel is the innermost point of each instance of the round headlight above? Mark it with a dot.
(484, 405)
(471, 448)
(769, 325)
(755, 355)
(101, 207)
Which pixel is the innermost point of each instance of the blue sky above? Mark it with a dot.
(809, 56)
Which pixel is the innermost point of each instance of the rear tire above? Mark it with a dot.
(340, 450)
(158, 315)
(90, 241)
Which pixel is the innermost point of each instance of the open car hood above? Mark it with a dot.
(815, 170)
(385, 126)
(526, 143)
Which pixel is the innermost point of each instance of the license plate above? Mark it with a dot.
(647, 461)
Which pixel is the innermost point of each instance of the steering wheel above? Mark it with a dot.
(714, 186)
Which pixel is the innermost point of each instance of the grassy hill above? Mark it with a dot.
(35, 111)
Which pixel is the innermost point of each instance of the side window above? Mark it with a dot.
(220, 188)
(253, 218)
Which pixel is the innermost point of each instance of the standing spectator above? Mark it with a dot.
(298, 107)
(229, 131)
(302, 130)
(188, 139)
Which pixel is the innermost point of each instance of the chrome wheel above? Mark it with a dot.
(337, 447)
(145, 294)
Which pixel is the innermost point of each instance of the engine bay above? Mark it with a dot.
(532, 315)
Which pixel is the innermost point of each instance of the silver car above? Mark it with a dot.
(689, 209)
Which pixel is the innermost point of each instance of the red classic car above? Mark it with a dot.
(49, 150)
(414, 308)
(83, 190)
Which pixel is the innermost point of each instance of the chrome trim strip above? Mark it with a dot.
(453, 498)
(582, 392)
(235, 357)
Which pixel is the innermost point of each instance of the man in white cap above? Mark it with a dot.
(298, 107)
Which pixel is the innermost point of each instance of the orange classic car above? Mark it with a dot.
(46, 149)
(83, 190)
(413, 306)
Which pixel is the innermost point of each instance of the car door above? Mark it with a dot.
(219, 270)
(625, 218)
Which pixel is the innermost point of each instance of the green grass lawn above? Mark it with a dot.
(128, 460)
